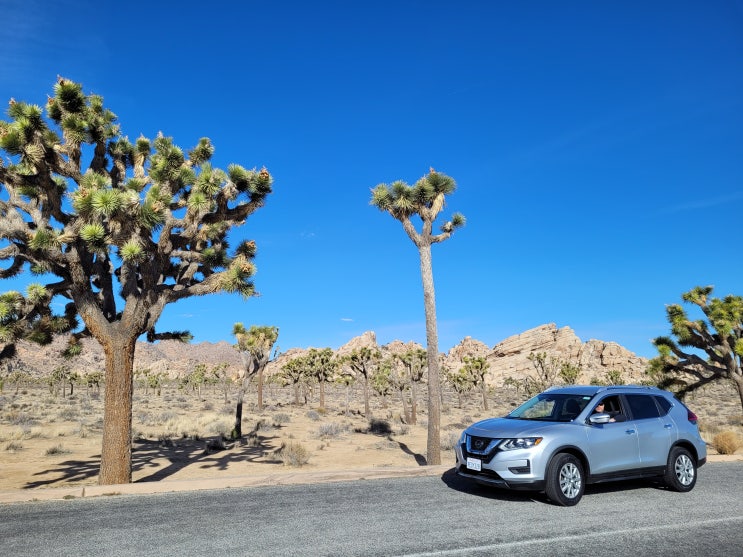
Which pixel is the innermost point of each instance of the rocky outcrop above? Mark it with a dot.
(508, 358)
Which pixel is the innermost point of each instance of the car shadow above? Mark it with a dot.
(464, 485)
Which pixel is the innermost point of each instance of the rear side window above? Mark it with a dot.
(642, 407)
(664, 404)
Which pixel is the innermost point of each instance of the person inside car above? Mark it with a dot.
(613, 416)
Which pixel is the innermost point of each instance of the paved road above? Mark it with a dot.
(428, 516)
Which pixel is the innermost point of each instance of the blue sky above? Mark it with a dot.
(597, 148)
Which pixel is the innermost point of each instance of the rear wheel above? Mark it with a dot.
(564, 483)
(681, 470)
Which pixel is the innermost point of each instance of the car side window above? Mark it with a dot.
(664, 404)
(642, 407)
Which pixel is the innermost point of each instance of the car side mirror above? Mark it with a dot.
(601, 418)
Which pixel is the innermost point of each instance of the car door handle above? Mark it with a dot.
(629, 431)
(668, 426)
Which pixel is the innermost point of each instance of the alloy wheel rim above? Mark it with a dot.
(684, 470)
(570, 480)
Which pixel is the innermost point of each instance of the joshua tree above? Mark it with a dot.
(322, 366)
(295, 372)
(719, 336)
(125, 227)
(364, 361)
(425, 199)
(255, 345)
(414, 362)
(461, 382)
(476, 367)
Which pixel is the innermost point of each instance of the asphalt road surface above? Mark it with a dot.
(429, 516)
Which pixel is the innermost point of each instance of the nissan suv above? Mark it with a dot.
(567, 437)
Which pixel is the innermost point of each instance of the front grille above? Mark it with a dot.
(484, 448)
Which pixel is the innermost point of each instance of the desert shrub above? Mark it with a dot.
(313, 415)
(280, 419)
(736, 420)
(13, 447)
(20, 418)
(214, 445)
(403, 429)
(293, 454)
(68, 414)
(379, 427)
(727, 442)
(450, 440)
(330, 430)
(56, 450)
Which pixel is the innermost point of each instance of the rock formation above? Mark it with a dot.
(507, 358)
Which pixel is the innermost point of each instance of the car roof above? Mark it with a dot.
(591, 390)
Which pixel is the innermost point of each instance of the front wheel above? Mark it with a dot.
(681, 470)
(564, 482)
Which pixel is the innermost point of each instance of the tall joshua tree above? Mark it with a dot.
(426, 199)
(255, 345)
(125, 228)
(719, 336)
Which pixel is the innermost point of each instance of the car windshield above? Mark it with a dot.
(551, 407)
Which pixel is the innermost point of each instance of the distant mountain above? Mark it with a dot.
(507, 358)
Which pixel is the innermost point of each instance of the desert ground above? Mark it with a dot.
(49, 441)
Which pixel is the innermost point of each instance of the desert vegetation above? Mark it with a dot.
(184, 427)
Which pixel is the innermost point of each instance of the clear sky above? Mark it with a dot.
(597, 149)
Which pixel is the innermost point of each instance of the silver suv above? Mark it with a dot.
(567, 437)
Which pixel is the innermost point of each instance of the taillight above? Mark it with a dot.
(691, 416)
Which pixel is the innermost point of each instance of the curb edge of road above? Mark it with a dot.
(281, 478)
(168, 486)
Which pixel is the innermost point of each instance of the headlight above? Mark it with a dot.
(463, 438)
(520, 443)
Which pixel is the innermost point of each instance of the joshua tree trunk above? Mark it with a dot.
(260, 391)
(413, 403)
(433, 451)
(237, 430)
(116, 454)
(367, 414)
(405, 409)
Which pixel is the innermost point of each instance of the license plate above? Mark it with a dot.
(474, 464)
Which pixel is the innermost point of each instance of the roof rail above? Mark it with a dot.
(631, 387)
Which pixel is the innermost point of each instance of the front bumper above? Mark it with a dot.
(518, 469)
(487, 477)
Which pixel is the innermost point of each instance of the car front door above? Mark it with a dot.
(613, 446)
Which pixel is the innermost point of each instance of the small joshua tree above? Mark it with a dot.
(255, 345)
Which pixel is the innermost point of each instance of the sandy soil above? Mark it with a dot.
(48, 441)
(53, 441)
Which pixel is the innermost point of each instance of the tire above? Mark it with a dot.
(681, 470)
(565, 482)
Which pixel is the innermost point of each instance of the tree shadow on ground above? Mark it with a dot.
(419, 458)
(212, 453)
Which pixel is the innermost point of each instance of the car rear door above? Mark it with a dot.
(654, 433)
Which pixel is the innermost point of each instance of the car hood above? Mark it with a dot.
(508, 427)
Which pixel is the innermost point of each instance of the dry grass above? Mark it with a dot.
(727, 442)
